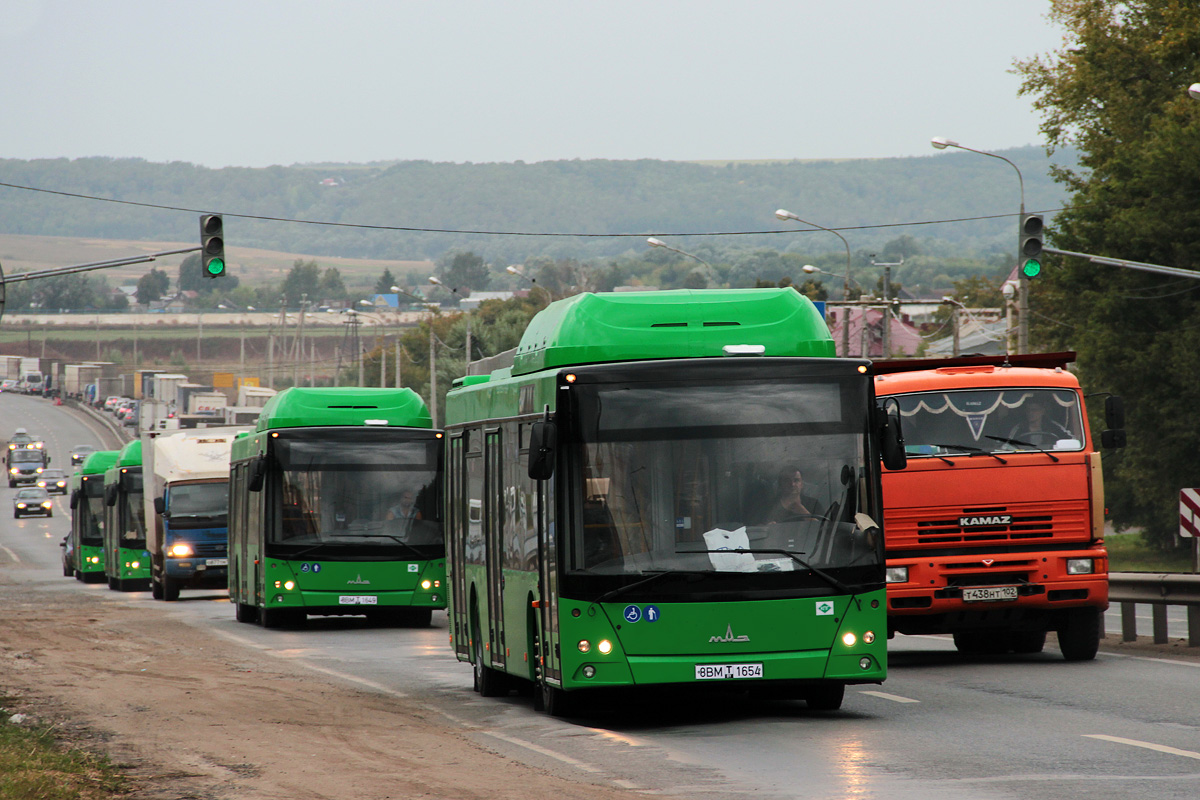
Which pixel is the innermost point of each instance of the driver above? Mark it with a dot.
(792, 502)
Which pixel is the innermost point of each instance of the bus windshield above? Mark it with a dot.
(962, 423)
(752, 483)
(373, 494)
(91, 510)
(133, 514)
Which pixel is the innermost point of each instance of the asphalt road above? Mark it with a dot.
(940, 727)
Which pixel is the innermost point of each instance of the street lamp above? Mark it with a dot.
(467, 314)
(513, 269)
(786, 215)
(1194, 91)
(941, 143)
(660, 243)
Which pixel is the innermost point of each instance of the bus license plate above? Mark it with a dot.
(989, 594)
(216, 562)
(357, 600)
(724, 672)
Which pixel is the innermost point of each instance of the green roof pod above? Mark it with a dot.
(685, 323)
(98, 462)
(300, 407)
(131, 454)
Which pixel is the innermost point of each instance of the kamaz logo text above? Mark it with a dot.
(979, 522)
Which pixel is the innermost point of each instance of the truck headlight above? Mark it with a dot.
(1080, 566)
(897, 575)
(180, 550)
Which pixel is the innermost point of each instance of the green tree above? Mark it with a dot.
(304, 278)
(333, 288)
(1117, 92)
(152, 286)
(464, 271)
(385, 283)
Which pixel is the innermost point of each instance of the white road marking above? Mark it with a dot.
(544, 751)
(11, 554)
(1161, 748)
(895, 698)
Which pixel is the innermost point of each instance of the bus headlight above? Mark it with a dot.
(849, 639)
(865, 662)
(180, 550)
(869, 637)
(1080, 566)
(897, 575)
(426, 584)
(605, 646)
(289, 585)
(584, 646)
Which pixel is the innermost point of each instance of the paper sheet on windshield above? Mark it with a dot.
(719, 539)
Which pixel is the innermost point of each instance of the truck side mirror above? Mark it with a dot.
(543, 449)
(257, 474)
(1114, 418)
(891, 437)
(160, 505)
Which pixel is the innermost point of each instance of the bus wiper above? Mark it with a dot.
(832, 581)
(395, 539)
(611, 593)
(1030, 445)
(973, 451)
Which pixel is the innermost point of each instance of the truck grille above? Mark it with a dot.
(990, 524)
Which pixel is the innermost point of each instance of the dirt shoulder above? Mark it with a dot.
(192, 715)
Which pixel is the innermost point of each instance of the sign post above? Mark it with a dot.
(1189, 522)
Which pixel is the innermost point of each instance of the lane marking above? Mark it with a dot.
(895, 698)
(1161, 748)
(11, 554)
(543, 751)
(1172, 661)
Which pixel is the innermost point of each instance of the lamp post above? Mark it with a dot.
(514, 269)
(1194, 91)
(653, 242)
(783, 214)
(941, 143)
(432, 356)
(467, 314)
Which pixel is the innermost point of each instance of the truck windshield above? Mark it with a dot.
(199, 499)
(25, 457)
(679, 478)
(374, 494)
(948, 424)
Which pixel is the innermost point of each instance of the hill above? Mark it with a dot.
(417, 210)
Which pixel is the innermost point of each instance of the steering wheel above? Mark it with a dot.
(1033, 436)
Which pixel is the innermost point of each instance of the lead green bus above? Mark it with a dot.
(126, 559)
(335, 508)
(611, 503)
(87, 516)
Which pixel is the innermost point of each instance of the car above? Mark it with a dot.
(54, 481)
(80, 452)
(32, 500)
(112, 402)
(8, 385)
(68, 557)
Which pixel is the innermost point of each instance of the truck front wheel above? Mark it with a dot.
(170, 588)
(1079, 636)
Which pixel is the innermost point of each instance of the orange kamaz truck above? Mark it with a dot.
(995, 531)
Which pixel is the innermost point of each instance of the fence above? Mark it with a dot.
(1157, 591)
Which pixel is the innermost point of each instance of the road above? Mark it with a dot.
(941, 726)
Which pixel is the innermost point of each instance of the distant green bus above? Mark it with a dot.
(87, 516)
(126, 559)
(612, 502)
(335, 508)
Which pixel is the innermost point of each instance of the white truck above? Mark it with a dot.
(186, 479)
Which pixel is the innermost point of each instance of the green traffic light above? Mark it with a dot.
(1031, 268)
(216, 267)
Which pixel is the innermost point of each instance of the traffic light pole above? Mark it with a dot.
(1121, 262)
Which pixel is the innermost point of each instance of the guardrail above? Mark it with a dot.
(1157, 590)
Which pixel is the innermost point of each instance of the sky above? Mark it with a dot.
(254, 83)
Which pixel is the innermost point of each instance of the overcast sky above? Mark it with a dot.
(254, 83)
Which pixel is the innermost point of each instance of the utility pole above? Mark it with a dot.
(887, 299)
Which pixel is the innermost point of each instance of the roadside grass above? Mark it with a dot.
(1127, 552)
(34, 765)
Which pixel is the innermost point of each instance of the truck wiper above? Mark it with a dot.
(973, 451)
(1020, 443)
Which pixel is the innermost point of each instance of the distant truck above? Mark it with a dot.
(77, 377)
(186, 496)
(24, 458)
(995, 530)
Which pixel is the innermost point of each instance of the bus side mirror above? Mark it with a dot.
(1114, 418)
(891, 438)
(110, 494)
(74, 498)
(257, 474)
(160, 505)
(543, 447)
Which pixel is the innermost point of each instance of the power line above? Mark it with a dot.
(414, 229)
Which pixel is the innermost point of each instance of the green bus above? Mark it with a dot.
(335, 508)
(611, 502)
(126, 559)
(87, 516)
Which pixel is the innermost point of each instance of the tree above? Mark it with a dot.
(464, 271)
(304, 278)
(193, 279)
(152, 286)
(1117, 92)
(385, 283)
(333, 288)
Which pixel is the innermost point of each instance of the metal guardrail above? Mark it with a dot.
(1157, 590)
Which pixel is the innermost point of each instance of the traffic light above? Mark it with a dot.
(212, 245)
(1030, 240)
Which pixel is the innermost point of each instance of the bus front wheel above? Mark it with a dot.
(488, 682)
(245, 613)
(826, 698)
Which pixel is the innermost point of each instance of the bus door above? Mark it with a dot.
(548, 573)
(456, 536)
(493, 537)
